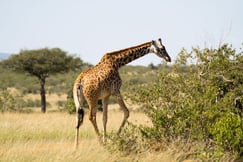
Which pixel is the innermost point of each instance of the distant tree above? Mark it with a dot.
(42, 63)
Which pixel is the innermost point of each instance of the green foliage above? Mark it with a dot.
(227, 131)
(7, 102)
(197, 102)
(14, 103)
(130, 141)
(70, 106)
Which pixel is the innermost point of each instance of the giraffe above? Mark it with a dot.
(102, 81)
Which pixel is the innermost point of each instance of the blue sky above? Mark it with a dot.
(90, 28)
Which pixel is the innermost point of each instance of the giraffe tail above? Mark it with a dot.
(78, 101)
(80, 113)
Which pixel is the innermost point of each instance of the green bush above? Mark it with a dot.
(197, 102)
(70, 107)
(7, 101)
(12, 103)
(227, 131)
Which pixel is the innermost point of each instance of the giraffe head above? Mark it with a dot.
(159, 49)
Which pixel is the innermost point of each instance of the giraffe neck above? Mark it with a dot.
(125, 56)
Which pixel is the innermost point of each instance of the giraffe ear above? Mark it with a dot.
(160, 40)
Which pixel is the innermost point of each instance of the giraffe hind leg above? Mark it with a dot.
(92, 117)
(125, 110)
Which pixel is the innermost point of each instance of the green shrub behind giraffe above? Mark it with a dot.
(200, 100)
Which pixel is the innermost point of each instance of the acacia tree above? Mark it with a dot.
(42, 63)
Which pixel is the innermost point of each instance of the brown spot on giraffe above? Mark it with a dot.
(102, 81)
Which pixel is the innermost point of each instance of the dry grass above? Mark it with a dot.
(50, 137)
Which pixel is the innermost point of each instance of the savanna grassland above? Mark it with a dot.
(29, 135)
(189, 111)
(50, 137)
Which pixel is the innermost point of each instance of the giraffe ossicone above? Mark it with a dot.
(102, 81)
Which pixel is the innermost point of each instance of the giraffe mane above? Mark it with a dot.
(126, 49)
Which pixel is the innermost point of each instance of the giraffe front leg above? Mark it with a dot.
(125, 110)
(105, 115)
